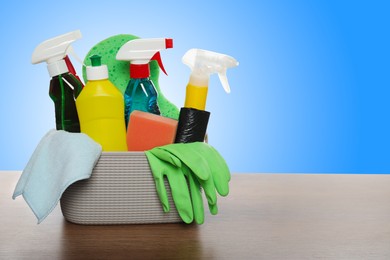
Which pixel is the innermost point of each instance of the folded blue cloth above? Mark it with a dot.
(60, 159)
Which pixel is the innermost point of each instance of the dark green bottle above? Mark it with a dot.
(64, 84)
(64, 89)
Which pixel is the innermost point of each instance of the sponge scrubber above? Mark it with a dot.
(147, 131)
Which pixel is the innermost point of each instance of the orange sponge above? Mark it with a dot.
(146, 131)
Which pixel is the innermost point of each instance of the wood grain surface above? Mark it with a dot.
(265, 216)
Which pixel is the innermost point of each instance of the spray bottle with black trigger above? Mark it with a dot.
(64, 86)
(193, 118)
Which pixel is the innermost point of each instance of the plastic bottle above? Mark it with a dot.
(64, 86)
(100, 107)
(203, 63)
(193, 117)
(140, 93)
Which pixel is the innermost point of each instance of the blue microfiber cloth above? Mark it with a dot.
(60, 159)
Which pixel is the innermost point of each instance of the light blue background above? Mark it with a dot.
(311, 93)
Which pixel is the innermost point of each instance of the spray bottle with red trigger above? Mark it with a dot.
(141, 93)
(64, 86)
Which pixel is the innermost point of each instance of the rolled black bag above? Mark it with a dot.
(192, 125)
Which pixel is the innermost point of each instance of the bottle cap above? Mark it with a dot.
(96, 60)
(97, 71)
(57, 68)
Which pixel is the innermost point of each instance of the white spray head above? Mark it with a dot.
(54, 50)
(140, 51)
(203, 63)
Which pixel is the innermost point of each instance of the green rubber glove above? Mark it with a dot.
(178, 184)
(196, 197)
(203, 166)
(202, 173)
(203, 160)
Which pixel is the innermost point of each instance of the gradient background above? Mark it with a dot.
(311, 93)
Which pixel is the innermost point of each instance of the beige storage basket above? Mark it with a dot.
(121, 190)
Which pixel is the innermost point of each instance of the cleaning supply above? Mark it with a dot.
(202, 166)
(203, 63)
(194, 154)
(193, 118)
(192, 125)
(64, 86)
(141, 93)
(178, 185)
(72, 69)
(118, 70)
(60, 159)
(101, 107)
(146, 131)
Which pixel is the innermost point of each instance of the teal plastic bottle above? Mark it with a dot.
(141, 93)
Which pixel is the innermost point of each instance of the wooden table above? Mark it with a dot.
(265, 216)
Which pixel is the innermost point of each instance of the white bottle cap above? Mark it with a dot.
(97, 73)
(57, 68)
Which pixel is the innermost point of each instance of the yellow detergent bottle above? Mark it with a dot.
(100, 107)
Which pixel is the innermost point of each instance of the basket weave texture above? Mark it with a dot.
(121, 190)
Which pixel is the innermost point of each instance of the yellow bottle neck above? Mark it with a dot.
(196, 97)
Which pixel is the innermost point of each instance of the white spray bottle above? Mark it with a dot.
(141, 93)
(193, 118)
(64, 86)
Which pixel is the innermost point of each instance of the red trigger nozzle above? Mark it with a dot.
(157, 57)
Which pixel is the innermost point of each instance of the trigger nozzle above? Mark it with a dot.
(157, 57)
(224, 82)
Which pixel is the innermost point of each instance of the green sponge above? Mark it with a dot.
(119, 70)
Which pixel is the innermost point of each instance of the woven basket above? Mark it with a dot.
(121, 190)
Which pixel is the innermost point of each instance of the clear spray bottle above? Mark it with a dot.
(193, 118)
